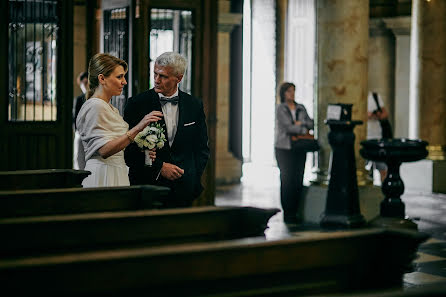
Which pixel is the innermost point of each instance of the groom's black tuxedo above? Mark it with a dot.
(189, 149)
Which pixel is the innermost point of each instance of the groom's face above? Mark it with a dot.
(165, 80)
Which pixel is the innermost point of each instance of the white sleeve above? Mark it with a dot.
(92, 123)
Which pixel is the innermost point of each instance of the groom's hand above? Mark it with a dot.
(152, 154)
(171, 171)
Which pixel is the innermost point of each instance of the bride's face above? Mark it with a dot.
(115, 82)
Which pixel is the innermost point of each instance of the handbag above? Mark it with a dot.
(386, 128)
(304, 143)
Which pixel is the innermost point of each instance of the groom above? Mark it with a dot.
(181, 162)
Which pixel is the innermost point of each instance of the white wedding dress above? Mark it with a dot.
(99, 122)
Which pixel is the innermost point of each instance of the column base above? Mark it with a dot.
(322, 178)
(315, 197)
(387, 222)
(342, 221)
(424, 176)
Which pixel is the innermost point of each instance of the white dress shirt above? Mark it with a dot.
(171, 114)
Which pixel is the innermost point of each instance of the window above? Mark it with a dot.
(172, 31)
(32, 49)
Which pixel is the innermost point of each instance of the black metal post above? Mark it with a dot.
(342, 206)
(393, 188)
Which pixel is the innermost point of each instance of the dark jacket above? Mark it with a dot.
(189, 149)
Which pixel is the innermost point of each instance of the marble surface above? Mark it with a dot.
(260, 187)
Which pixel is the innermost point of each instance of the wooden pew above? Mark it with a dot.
(42, 179)
(308, 263)
(79, 200)
(56, 234)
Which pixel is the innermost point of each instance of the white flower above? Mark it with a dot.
(144, 131)
(139, 142)
(152, 138)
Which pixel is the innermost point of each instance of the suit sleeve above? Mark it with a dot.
(202, 147)
(133, 156)
(132, 152)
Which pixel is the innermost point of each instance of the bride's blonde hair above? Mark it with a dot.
(101, 64)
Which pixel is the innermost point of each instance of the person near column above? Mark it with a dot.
(103, 131)
(180, 164)
(291, 119)
(374, 131)
(78, 150)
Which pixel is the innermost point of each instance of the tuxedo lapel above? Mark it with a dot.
(156, 105)
(181, 111)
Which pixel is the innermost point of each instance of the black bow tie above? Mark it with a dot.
(173, 100)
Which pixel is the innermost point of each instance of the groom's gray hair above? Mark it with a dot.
(174, 60)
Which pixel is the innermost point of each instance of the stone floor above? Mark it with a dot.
(260, 188)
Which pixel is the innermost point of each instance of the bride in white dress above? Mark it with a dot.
(103, 131)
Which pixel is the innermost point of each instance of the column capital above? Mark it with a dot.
(399, 25)
(377, 27)
(227, 21)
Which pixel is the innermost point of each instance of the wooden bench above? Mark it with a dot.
(55, 234)
(42, 179)
(308, 263)
(79, 200)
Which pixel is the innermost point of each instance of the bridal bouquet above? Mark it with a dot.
(153, 136)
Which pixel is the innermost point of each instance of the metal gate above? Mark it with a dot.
(116, 43)
(35, 78)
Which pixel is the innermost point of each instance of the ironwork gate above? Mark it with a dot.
(33, 27)
(35, 78)
(116, 43)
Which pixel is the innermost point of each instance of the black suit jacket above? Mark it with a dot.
(189, 149)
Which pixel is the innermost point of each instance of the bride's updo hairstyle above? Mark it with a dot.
(101, 64)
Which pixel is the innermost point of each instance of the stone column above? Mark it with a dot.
(428, 88)
(428, 95)
(342, 38)
(228, 169)
(400, 27)
(382, 64)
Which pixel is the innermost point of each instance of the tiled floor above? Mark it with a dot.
(260, 188)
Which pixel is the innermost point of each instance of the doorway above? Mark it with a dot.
(261, 81)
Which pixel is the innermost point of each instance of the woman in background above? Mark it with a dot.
(103, 131)
(291, 119)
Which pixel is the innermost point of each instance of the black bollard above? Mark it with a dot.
(342, 206)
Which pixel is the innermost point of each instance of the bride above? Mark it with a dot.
(103, 131)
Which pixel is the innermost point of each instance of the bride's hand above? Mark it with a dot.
(154, 116)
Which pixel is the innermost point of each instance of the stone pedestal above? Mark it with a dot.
(425, 176)
(342, 207)
(228, 168)
(393, 152)
(315, 200)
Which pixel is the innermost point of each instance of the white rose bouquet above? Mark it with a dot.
(153, 136)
